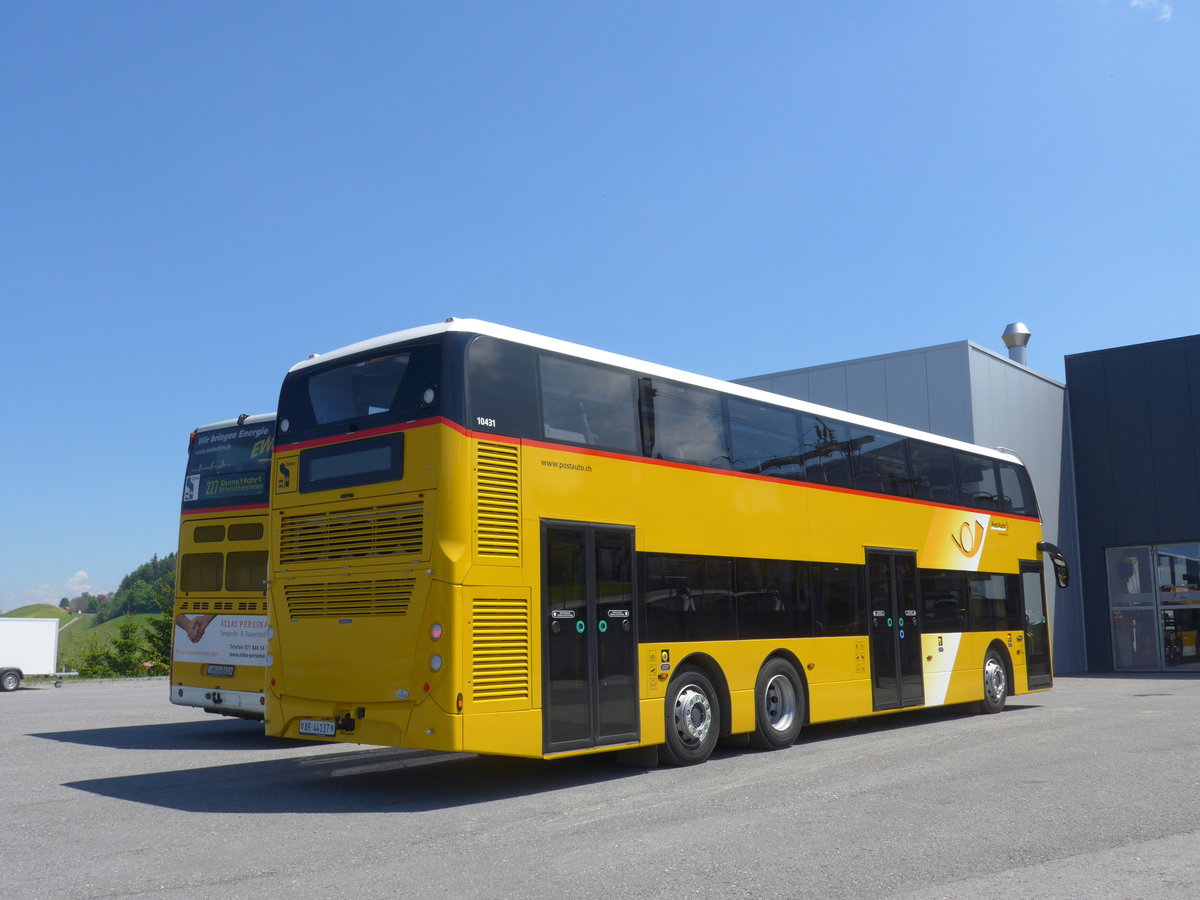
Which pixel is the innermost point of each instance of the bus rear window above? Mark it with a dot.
(358, 391)
(384, 387)
(228, 467)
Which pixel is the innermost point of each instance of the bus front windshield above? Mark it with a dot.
(383, 387)
(228, 466)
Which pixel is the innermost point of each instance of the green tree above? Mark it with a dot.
(128, 652)
(94, 660)
(150, 588)
(64, 603)
(158, 630)
(139, 589)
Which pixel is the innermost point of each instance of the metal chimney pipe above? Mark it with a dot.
(1016, 336)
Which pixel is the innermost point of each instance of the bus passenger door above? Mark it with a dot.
(589, 636)
(897, 671)
(1037, 628)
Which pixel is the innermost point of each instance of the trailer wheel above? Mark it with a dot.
(10, 680)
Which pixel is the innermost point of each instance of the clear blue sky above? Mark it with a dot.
(197, 195)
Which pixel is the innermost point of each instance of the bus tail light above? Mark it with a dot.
(459, 702)
(435, 663)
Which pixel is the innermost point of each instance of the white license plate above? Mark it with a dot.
(321, 727)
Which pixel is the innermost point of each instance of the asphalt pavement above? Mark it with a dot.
(107, 790)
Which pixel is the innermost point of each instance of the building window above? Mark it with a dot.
(1154, 602)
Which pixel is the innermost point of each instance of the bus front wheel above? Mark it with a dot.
(693, 719)
(778, 706)
(10, 680)
(995, 683)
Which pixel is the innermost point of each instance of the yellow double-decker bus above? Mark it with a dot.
(218, 649)
(489, 541)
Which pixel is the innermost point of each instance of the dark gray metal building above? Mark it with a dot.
(1135, 428)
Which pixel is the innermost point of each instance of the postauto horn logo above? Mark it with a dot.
(969, 542)
(955, 542)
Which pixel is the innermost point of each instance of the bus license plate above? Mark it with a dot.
(321, 727)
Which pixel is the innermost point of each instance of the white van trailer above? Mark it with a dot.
(27, 647)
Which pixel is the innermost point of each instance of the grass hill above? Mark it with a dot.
(76, 630)
(39, 611)
(73, 639)
(92, 642)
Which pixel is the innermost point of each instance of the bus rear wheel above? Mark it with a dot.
(10, 680)
(778, 706)
(995, 683)
(693, 717)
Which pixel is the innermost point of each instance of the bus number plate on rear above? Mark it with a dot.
(320, 727)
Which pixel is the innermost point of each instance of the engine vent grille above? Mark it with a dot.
(497, 498)
(397, 530)
(500, 641)
(380, 597)
(246, 606)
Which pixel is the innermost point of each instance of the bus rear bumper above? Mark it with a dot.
(421, 726)
(245, 704)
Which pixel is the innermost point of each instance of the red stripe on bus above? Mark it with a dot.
(370, 432)
(225, 509)
(607, 454)
(626, 457)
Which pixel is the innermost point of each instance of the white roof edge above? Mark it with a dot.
(395, 337)
(478, 326)
(249, 420)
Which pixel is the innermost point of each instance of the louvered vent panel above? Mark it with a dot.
(380, 597)
(397, 530)
(252, 606)
(500, 650)
(497, 499)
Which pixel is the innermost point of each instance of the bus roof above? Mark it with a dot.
(229, 423)
(503, 332)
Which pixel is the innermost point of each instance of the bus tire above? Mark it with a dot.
(693, 719)
(10, 680)
(778, 706)
(995, 683)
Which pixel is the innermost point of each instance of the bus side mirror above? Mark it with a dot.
(1062, 574)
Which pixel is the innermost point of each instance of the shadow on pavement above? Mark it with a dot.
(927, 719)
(214, 734)
(384, 781)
